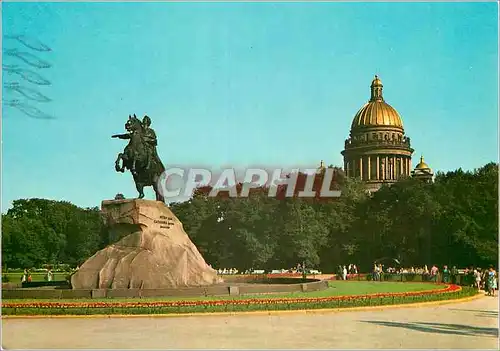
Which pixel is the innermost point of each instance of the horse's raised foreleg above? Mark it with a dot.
(119, 168)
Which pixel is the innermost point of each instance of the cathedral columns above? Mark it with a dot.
(369, 168)
(361, 167)
(394, 167)
(378, 168)
(387, 168)
(373, 167)
(383, 167)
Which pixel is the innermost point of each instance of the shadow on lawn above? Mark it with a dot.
(441, 328)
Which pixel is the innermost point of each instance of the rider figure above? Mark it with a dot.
(141, 152)
(150, 141)
(147, 138)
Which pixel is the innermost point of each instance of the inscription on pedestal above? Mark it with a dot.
(165, 222)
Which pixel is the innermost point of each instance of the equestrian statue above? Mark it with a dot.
(140, 155)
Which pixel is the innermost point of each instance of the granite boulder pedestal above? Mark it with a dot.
(151, 251)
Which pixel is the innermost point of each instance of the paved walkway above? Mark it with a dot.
(466, 325)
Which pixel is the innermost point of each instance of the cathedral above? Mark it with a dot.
(378, 151)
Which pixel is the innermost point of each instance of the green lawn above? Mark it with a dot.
(336, 288)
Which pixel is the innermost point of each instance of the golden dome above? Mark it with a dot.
(377, 112)
(422, 164)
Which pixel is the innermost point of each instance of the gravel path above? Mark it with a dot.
(466, 325)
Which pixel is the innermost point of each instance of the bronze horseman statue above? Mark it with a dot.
(140, 155)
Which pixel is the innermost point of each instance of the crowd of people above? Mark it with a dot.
(299, 268)
(27, 278)
(227, 271)
(429, 274)
(347, 271)
(481, 279)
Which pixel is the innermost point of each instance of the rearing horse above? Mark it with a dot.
(146, 172)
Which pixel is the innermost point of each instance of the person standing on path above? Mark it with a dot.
(446, 274)
(426, 274)
(492, 281)
(24, 277)
(454, 274)
(434, 273)
(381, 272)
(477, 277)
(375, 272)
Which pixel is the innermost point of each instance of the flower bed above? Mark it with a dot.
(284, 275)
(358, 276)
(232, 305)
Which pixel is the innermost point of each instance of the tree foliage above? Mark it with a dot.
(40, 231)
(452, 221)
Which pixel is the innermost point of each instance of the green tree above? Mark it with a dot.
(251, 234)
(301, 233)
(200, 217)
(21, 247)
(344, 243)
(470, 216)
(38, 231)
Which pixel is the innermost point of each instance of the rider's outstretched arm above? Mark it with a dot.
(121, 136)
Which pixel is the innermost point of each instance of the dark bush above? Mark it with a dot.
(61, 283)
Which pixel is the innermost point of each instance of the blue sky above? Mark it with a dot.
(243, 84)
